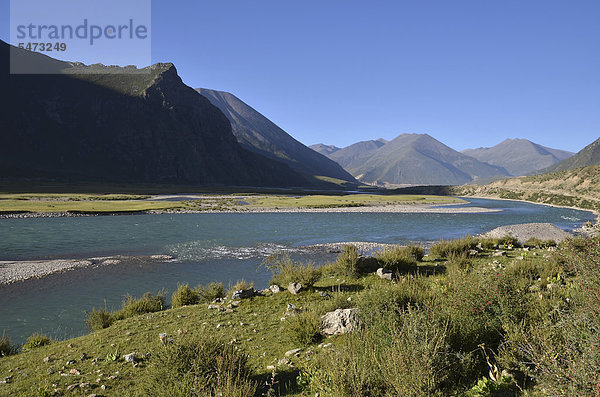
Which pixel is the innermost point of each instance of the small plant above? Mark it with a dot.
(148, 303)
(99, 319)
(113, 356)
(303, 328)
(447, 248)
(184, 296)
(285, 271)
(211, 292)
(6, 346)
(240, 285)
(346, 263)
(36, 340)
(400, 259)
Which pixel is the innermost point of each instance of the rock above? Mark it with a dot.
(83, 357)
(324, 295)
(552, 286)
(111, 261)
(270, 367)
(367, 264)
(243, 293)
(384, 274)
(74, 371)
(275, 289)
(472, 252)
(339, 322)
(46, 359)
(84, 385)
(499, 253)
(162, 257)
(72, 387)
(163, 338)
(294, 288)
(283, 361)
(129, 358)
(70, 362)
(211, 306)
(292, 352)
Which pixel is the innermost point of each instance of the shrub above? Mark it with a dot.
(508, 241)
(446, 248)
(240, 285)
(148, 303)
(303, 328)
(346, 262)
(6, 346)
(537, 243)
(211, 292)
(399, 259)
(285, 271)
(99, 319)
(184, 296)
(488, 243)
(201, 365)
(36, 340)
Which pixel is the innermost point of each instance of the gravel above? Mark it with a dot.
(525, 231)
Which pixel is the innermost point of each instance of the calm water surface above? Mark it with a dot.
(208, 247)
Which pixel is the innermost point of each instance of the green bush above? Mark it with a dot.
(400, 259)
(537, 243)
(36, 340)
(6, 346)
(99, 319)
(508, 241)
(184, 296)
(303, 328)
(148, 303)
(200, 365)
(211, 292)
(346, 263)
(285, 271)
(447, 248)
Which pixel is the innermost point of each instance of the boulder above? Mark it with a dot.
(384, 274)
(367, 264)
(294, 288)
(275, 289)
(499, 253)
(129, 358)
(339, 322)
(243, 293)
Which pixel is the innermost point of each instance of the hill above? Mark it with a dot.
(112, 124)
(590, 155)
(519, 156)
(257, 133)
(324, 149)
(419, 159)
(353, 156)
(574, 188)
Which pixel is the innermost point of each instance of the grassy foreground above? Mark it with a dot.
(115, 203)
(465, 320)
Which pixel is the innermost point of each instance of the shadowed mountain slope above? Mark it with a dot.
(257, 133)
(589, 155)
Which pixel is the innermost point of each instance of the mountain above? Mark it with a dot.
(519, 156)
(353, 157)
(418, 159)
(325, 150)
(257, 133)
(100, 123)
(589, 155)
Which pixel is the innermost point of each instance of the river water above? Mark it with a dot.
(207, 247)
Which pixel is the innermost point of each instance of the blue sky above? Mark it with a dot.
(468, 72)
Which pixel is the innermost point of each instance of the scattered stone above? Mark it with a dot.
(294, 288)
(111, 261)
(275, 289)
(129, 358)
(162, 257)
(243, 293)
(552, 286)
(70, 346)
(72, 387)
(103, 387)
(384, 274)
(283, 361)
(324, 295)
(367, 264)
(163, 338)
(84, 385)
(74, 371)
(235, 303)
(472, 252)
(293, 352)
(46, 359)
(83, 356)
(270, 367)
(70, 362)
(339, 322)
(499, 253)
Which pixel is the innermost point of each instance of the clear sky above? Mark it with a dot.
(468, 72)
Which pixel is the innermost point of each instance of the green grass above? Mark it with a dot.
(351, 200)
(435, 332)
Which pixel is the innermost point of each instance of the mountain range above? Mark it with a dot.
(519, 156)
(588, 156)
(123, 124)
(420, 159)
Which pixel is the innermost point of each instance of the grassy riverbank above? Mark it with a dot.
(119, 203)
(455, 322)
